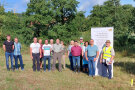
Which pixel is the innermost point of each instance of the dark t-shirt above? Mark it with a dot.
(9, 46)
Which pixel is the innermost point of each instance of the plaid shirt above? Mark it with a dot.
(17, 48)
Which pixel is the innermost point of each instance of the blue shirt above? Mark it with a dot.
(92, 50)
(17, 48)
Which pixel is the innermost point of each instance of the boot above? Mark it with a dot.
(78, 69)
(75, 69)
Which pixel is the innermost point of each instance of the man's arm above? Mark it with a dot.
(101, 58)
(13, 47)
(4, 48)
(86, 55)
(31, 53)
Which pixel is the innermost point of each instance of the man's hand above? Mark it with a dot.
(40, 56)
(110, 62)
(100, 60)
(32, 57)
(87, 58)
(95, 59)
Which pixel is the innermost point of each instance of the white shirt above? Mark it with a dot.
(35, 47)
(47, 49)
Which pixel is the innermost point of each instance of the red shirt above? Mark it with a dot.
(76, 51)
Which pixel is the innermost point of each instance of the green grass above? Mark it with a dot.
(67, 80)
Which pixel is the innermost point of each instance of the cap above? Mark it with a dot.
(81, 37)
(108, 41)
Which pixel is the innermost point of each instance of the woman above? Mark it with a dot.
(63, 54)
(70, 55)
(85, 62)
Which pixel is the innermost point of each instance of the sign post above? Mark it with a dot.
(100, 35)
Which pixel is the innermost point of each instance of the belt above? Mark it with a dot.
(91, 56)
(35, 53)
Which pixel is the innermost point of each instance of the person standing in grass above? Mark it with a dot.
(63, 54)
(70, 54)
(91, 55)
(57, 48)
(51, 43)
(47, 55)
(106, 60)
(8, 47)
(40, 42)
(76, 52)
(17, 54)
(85, 62)
(81, 44)
(35, 52)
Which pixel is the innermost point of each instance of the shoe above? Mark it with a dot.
(22, 69)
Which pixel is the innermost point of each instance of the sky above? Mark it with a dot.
(85, 5)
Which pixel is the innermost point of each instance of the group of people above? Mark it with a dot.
(82, 56)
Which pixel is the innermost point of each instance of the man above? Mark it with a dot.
(40, 42)
(17, 54)
(51, 43)
(47, 55)
(57, 48)
(81, 44)
(35, 52)
(91, 55)
(8, 47)
(76, 51)
(106, 59)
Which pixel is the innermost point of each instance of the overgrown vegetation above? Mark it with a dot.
(60, 19)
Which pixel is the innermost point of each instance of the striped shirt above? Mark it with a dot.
(17, 48)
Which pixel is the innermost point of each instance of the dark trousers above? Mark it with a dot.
(57, 56)
(71, 62)
(36, 57)
(16, 61)
(49, 62)
(81, 62)
(106, 68)
(7, 55)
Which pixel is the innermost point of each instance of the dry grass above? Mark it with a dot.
(66, 80)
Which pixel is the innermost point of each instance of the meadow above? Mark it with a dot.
(66, 80)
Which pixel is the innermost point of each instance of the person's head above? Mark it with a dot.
(40, 41)
(51, 41)
(57, 41)
(108, 43)
(81, 39)
(8, 37)
(91, 42)
(46, 41)
(86, 43)
(16, 40)
(75, 43)
(35, 40)
(62, 43)
(72, 42)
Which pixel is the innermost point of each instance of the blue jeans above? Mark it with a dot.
(71, 62)
(7, 55)
(16, 61)
(49, 62)
(106, 67)
(76, 59)
(91, 66)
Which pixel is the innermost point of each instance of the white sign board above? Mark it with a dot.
(100, 35)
